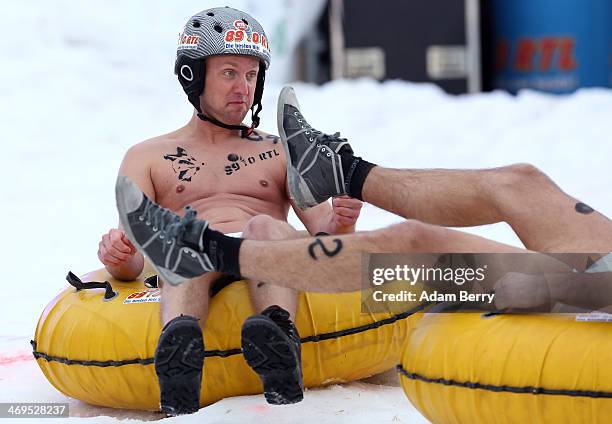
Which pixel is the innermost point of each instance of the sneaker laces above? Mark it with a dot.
(174, 229)
(325, 139)
(179, 227)
(155, 215)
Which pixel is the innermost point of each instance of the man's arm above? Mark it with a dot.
(116, 252)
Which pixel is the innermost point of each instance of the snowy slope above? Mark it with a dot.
(75, 96)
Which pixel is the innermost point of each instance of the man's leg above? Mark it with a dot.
(180, 351)
(333, 263)
(270, 341)
(545, 218)
(190, 298)
(264, 227)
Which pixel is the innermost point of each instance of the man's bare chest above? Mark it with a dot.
(184, 173)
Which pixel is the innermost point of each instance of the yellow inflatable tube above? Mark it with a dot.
(464, 368)
(101, 351)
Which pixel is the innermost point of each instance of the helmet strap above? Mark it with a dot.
(259, 87)
(244, 130)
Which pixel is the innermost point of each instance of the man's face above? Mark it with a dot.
(229, 87)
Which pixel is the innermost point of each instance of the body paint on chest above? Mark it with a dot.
(183, 164)
(255, 136)
(238, 162)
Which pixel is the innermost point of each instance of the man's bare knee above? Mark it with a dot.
(407, 236)
(516, 188)
(264, 227)
(525, 176)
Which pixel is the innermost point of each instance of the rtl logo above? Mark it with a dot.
(541, 54)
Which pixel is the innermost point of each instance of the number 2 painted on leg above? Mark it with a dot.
(328, 253)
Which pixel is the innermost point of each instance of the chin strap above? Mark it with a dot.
(244, 130)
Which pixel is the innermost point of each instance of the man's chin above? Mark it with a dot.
(234, 118)
(238, 108)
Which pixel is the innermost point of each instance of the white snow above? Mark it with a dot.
(81, 83)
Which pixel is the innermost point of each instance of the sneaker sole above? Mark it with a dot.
(124, 183)
(179, 360)
(267, 350)
(298, 189)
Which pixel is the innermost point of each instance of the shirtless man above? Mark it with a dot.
(234, 176)
(545, 219)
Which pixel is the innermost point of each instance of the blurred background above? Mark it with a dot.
(463, 46)
(422, 84)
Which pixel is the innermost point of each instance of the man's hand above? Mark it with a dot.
(523, 291)
(345, 211)
(115, 249)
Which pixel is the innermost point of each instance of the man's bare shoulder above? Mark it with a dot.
(154, 144)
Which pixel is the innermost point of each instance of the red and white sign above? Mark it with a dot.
(143, 296)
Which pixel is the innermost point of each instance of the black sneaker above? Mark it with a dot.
(179, 359)
(314, 163)
(271, 346)
(173, 244)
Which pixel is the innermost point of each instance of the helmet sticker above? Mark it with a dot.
(240, 24)
(188, 41)
(247, 40)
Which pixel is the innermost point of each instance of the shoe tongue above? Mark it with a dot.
(192, 237)
(346, 148)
